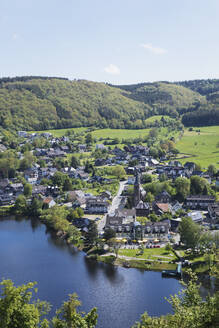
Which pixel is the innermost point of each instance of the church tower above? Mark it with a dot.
(137, 188)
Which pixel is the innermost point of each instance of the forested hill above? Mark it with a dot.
(36, 103)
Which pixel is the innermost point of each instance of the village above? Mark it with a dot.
(134, 214)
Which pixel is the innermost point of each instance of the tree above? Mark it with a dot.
(163, 177)
(89, 168)
(146, 178)
(69, 317)
(212, 170)
(153, 217)
(67, 184)
(92, 234)
(27, 189)
(17, 310)
(89, 139)
(56, 218)
(20, 204)
(36, 207)
(197, 185)
(182, 188)
(149, 197)
(189, 310)
(75, 162)
(190, 232)
(109, 233)
(119, 172)
(59, 178)
(74, 235)
(153, 133)
(27, 161)
(168, 247)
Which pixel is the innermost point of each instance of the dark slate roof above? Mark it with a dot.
(141, 205)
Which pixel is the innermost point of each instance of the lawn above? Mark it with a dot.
(150, 253)
(200, 147)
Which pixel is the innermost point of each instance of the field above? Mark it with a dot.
(200, 147)
(119, 133)
(61, 132)
(154, 118)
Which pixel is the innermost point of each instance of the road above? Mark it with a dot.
(116, 203)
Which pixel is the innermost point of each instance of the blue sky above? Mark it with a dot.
(115, 41)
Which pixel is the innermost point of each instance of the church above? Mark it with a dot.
(142, 208)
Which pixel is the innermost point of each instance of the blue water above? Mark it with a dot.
(28, 253)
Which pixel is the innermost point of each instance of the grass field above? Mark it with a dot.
(152, 119)
(61, 132)
(200, 147)
(120, 133)
(113, 133)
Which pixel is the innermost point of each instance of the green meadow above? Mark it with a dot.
(120, 133)
(200, 147)
(61, 132)
(154, 118)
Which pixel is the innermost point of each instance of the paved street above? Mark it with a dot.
(116, 203)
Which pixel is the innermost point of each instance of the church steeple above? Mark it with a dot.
(137, 188)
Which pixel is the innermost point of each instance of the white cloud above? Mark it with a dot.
(155, 50)
(112, 69)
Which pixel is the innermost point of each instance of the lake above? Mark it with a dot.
(28, 253)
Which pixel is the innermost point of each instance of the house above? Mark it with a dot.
(156, 229)
(82, 175)
(163, 197)
(199, 201)
(190, 167)
(39, 190)
(31, 175)
(213, 211)
(6, 199)
(131, 180)
(152, 162)
(96, 205)
(106, 195)
(22, 134)
(81, 223)
(161, 208)
(17, 188)
(176, 206)
(49, 202)
(128, 214)
(134, 230)
(142, 209)
(100, 146)
(196, 216)
(2, 148)
(52, 191)
(121, 222)
(77, 197)
(82, 148)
